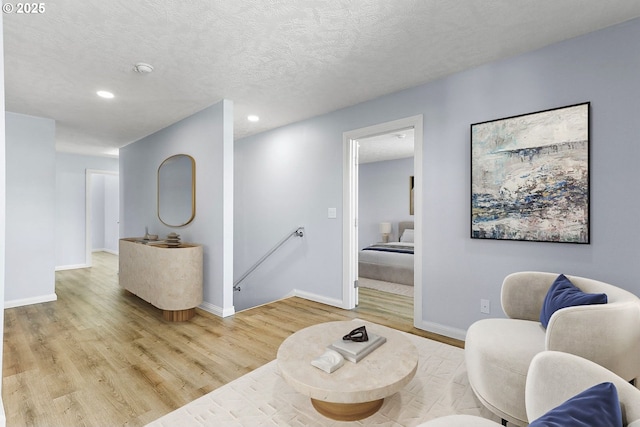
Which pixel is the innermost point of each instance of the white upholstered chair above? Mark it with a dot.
(553, 378)
(498, 351)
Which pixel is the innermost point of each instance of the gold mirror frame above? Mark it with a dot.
(173, 191)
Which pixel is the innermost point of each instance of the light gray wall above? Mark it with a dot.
(292, 174)
(2, 209)
(70, 209)
(30, 198)
(383, 196)
(105, 212)
(602, 68)
(287, 178)
(207, 136)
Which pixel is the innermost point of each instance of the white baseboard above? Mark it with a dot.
(437, 328)
(218, 311)
(109, 251)
(317, 298)
(29, 301)
(71, 267)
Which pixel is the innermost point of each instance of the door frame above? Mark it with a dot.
(350, 206)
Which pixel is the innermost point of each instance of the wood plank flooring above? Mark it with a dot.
(100, 356)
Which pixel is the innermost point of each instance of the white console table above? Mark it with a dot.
(168, 278)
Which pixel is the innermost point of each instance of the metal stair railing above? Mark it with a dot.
(298, 232)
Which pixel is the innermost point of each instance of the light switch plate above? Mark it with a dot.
(332, 213)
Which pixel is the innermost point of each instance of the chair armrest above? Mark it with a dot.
(607, 334)
(554, 377)
(523, 294)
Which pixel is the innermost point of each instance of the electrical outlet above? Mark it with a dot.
(485, 306)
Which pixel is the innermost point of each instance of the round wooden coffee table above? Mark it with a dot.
(356, 390)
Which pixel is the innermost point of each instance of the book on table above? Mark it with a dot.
(356, 351)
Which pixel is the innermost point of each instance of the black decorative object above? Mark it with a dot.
(357, 335)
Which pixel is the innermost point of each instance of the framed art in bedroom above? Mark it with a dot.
(530, 177)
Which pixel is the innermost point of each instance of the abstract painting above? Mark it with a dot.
(530, 177)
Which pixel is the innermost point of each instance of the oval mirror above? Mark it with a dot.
(177, 190)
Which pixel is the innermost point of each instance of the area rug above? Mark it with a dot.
(394, 288)
(262, 398)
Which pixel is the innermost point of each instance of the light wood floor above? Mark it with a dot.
(99, 356)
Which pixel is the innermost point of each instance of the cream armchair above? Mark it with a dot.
(553, 378)
(498, 352)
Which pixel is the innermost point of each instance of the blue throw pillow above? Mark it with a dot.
(596, 406)
(563, 294)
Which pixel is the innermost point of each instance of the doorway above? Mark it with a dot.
(351, 207)
(102, 212)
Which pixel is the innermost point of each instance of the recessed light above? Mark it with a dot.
(253, 118)
(105, 94)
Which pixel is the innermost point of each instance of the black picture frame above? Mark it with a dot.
(530, 178)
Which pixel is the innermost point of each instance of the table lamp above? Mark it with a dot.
(385, 230)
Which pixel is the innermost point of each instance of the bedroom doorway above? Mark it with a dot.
(362, 149)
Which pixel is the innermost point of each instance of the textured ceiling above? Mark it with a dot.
(388, 146)
(284, 60)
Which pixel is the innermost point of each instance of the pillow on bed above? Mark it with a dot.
(407, 236)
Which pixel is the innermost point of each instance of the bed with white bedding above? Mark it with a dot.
(390, 262)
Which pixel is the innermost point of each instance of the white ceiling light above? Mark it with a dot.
(253, 118)
(105, 94)
(143, 68)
